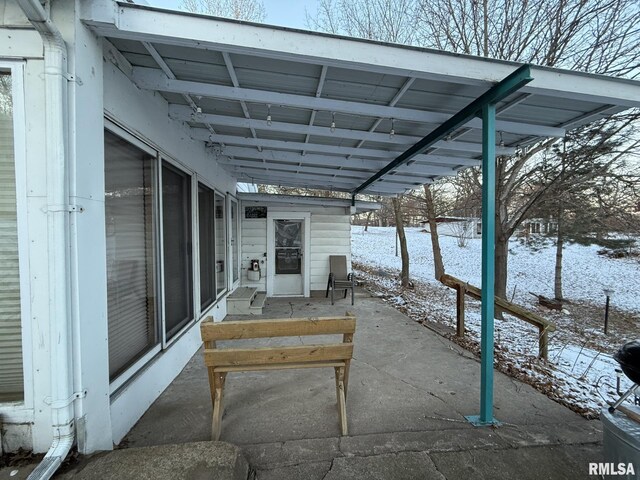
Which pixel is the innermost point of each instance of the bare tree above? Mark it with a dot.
(599, 36)
(596, 36)
(383, 20)
(250, 10)
(404, 252)
(438, 264)
(462, 231)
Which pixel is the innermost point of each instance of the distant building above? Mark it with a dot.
(471, 227)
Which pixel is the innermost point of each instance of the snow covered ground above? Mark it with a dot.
(580, 370)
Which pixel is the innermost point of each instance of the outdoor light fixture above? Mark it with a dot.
(392, 132)
(197, 111)
(269, 115)
(333, 122)
(501, 140)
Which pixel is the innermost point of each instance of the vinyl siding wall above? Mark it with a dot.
(330, 235)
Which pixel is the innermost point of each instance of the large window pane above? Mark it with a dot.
(131, 260)
(221, 240)
(207, 246)
(11, 376)
(178, 266)
(234, 240)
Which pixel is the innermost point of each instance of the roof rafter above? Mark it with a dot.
(428, 172)
(155, 79)
(165, 68)
(296, 158)
(234, 81)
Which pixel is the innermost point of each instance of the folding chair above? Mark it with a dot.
(339, 279)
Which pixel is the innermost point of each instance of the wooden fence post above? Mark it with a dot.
(461, 291)
(543, 349)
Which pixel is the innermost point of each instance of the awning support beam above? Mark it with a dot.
(488, 267)
(498, 92)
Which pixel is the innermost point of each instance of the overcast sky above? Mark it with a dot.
(287, 13)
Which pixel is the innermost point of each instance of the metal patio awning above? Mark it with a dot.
(289, 107)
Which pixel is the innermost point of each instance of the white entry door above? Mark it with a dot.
(287, 256)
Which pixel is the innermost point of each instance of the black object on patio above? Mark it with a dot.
(628, 356)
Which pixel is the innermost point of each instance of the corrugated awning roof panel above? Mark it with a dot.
(313, 110)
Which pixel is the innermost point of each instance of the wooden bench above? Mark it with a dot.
(220, 361)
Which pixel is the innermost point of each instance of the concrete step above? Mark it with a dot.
(201, 460)
(258, 304)
(239, 302)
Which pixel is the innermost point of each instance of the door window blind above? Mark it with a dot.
(11, 375)
(131, 245)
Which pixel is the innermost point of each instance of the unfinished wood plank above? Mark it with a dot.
(505, 305)
(347, 338)
(285, 366)
(275, 355)
(216, 424)
(277, 328)
(347, 366)
(342, 401)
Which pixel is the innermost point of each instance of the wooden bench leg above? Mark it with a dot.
(347, 364)
(342, 400)
(212, 385)
(216, 424)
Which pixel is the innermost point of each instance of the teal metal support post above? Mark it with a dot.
(488, 266)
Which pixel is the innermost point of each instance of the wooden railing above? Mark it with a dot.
(464, 288)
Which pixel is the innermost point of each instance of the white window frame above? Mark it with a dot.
(227, 287)
(230, 282)
(114, 126)
(194, 220)
(130, 371)
(21, 410)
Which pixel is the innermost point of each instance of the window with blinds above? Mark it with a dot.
(11, 374)
(131, 247)
(176, 244)
(221, 241)
(207, 246)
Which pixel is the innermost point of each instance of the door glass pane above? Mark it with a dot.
(288, 241)
(221, 250)
(234, 239)
(288, 233)
(11, 377)
(207, 246)
(176, 228)
(131, 265)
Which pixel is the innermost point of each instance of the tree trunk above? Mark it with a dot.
(502, 253)
(404, 253)
(433, 230)
(557, 281)
(366, 225)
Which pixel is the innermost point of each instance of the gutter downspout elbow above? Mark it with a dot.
(60, 325)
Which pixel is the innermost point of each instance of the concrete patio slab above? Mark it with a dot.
(409, 391)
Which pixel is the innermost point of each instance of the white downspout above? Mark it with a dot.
(62, 397)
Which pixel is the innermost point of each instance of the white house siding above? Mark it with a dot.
(101, 87)
(330, 235)
(254, 246)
